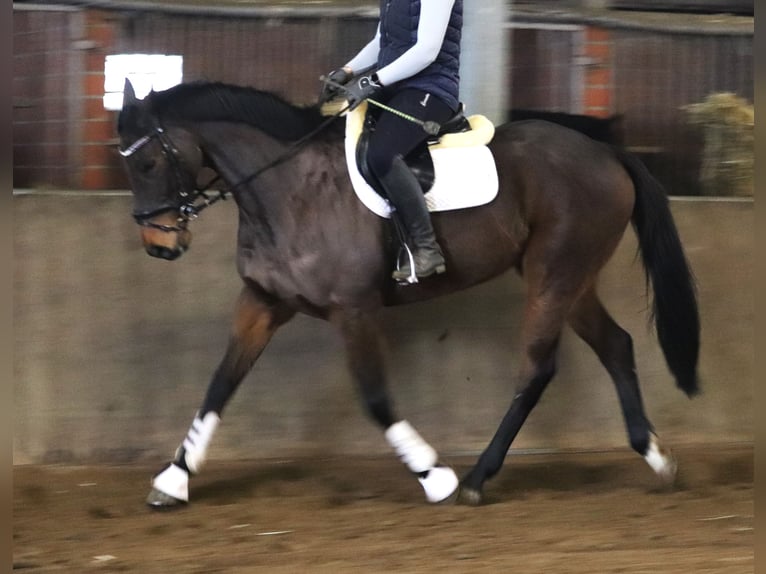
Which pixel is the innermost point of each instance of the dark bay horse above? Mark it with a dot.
(307, 245)
(609, 130)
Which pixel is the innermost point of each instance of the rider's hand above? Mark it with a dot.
(361, 88)
(332, 85)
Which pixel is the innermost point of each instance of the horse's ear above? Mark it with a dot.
(128, 94)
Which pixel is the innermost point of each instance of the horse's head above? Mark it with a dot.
(162, 164)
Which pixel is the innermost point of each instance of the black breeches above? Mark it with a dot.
(394, 136)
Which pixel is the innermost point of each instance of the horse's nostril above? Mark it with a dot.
(164, 252)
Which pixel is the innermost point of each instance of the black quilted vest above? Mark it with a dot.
(398, 32)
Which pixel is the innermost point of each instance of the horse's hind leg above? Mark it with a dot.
(544, 316)
(255, 322)
(614, 348)
(365, 358)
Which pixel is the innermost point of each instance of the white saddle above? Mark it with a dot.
(465, 174)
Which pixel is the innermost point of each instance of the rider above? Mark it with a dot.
(411, 65)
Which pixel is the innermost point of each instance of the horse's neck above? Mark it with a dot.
(239, 151)
(268, 175)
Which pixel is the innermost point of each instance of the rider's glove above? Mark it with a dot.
(332, 86)
(361, 88)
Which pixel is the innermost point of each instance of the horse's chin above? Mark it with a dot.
(167, 253)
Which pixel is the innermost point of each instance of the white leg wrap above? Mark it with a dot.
(410, 447)
(197, 440)
(173, 481)
(661, 462)
(439, 483)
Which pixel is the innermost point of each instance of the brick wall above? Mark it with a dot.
(64, 138)
(598, 86)
(43, 104)
(100, 165)
(62, 135)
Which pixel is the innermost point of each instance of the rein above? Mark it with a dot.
(192, 208)
(294, 148)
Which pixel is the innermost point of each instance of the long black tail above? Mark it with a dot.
(674, 307)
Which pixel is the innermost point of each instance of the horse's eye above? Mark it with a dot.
(147, 165)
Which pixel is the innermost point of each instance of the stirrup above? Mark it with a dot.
(412, 276)
(411, 279)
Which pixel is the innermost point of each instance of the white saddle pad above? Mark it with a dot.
(463, 176)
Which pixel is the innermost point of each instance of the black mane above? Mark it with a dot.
(215, 101)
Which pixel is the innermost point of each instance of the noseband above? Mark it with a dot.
(192, 202)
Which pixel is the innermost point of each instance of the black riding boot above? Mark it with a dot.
(404, 191)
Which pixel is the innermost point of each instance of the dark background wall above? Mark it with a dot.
(644, 66)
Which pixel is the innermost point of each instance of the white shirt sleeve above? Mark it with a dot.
(367, 56)
(432, 27)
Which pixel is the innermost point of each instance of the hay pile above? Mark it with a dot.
(727, 122)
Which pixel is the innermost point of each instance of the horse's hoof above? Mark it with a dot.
(158, 500)
(668, 474)
(469, 496)
(662, 462)
(453, 498)
(440, 484)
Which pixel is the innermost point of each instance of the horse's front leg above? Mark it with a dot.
(255, 322)
(364, 353)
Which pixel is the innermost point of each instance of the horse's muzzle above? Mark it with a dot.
(164, 239)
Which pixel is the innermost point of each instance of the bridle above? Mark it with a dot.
(193, 202)
(198, 199)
